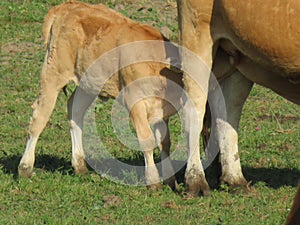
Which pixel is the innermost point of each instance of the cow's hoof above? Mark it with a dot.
(197, 190)
(196, 185)
(232, 181)
(236, 185)
(25, 170)
(154, 187)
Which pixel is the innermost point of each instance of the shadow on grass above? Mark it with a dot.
(273, 177)
(9, 165)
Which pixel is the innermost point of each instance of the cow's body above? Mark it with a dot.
(77, 35)
(294, 215)
(263, 38)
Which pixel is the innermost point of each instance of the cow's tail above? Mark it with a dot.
(48, 23)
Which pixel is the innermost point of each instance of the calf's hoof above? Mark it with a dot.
(80, 167)
(81, 171)
(25, 170)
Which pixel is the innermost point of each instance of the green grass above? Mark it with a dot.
(270, 156)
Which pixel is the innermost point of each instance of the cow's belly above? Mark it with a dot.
(267, 31)
(257, 73)
(287, 88)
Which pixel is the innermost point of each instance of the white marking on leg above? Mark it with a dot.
(77, 147)
(138, 114)
(195, 180)
(28, 157)
(193, 131)
(230, 160)
(151, 172)
(77, 106)
(236, 89)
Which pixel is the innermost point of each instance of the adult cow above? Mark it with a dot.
(294, 215)
(263, 39)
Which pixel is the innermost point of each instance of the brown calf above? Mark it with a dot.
(77, 36)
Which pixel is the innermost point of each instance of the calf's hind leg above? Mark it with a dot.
(146, 139)
(42, 110)
(163, 140)
(77, 106)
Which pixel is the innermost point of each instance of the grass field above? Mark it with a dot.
(269, 145)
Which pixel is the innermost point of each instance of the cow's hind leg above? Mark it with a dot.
(236, 89)
(42, 109)
(77, 105)
(147, 142)
(163, 140)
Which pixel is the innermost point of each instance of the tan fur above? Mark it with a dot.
(294, 215)
(77, 34)
(263, 38)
